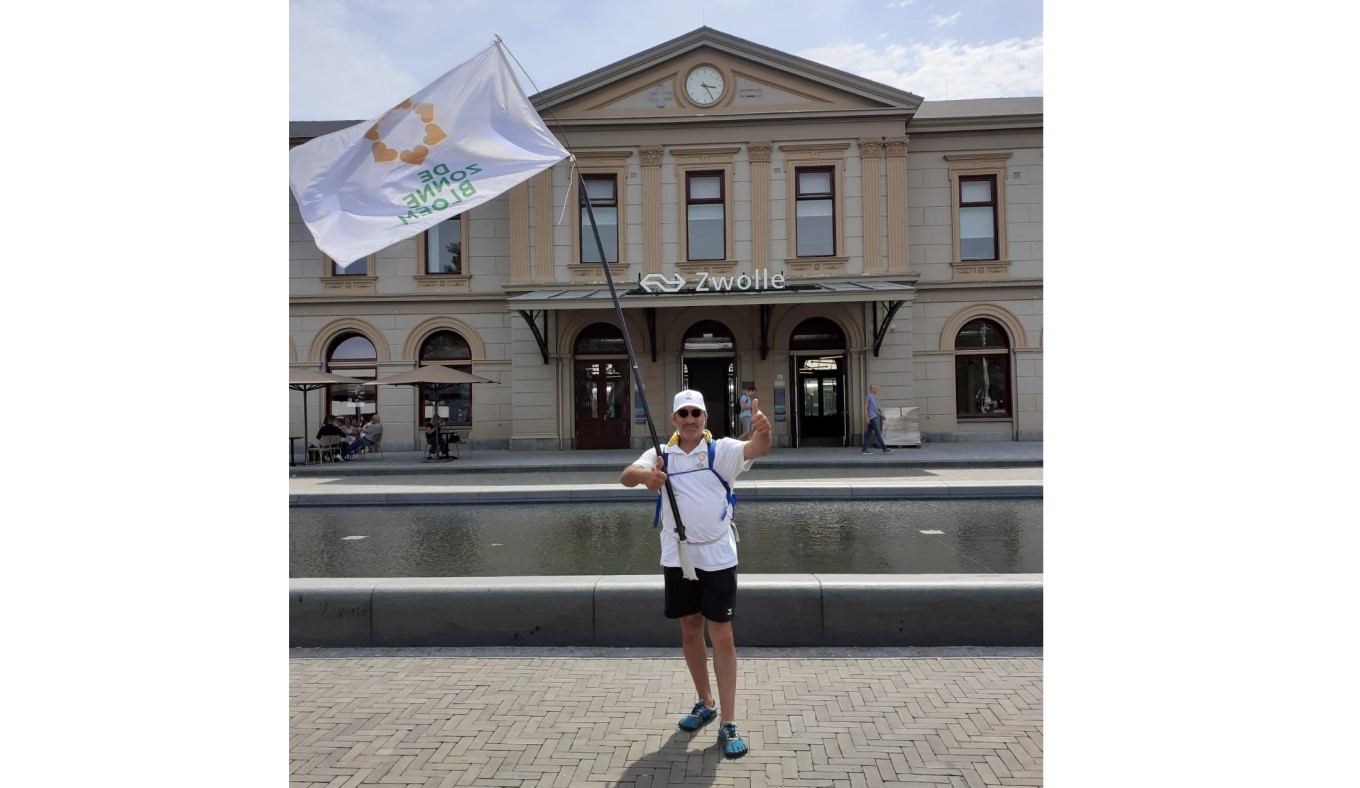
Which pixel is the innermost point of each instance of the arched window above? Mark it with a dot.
(443, 346)
(817, 333)
(600, 338)
(353, 356)
(708, 335)
(454, 402)
(982, 370)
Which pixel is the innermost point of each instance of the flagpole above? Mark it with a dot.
(685, 563)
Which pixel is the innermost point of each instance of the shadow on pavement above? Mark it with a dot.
(677, 762)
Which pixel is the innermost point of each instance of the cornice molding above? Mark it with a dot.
(978, 157)
(603, 157)
(808, 147)
(712, 151)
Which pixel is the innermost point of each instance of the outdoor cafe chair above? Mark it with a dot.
(329, 450)
(453, 440)
(376, 445)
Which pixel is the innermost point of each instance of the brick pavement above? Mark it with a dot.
(952, 721)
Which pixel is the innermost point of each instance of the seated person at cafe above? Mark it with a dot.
(436, 442)
(330, 428)
(367, 437)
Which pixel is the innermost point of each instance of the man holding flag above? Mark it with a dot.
(702, 471)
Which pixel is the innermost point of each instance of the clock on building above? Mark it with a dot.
(704, 85)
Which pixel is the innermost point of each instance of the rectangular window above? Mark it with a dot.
(816, 212)
(357, 268)
(454, 402)
(602, 192)
(982, 385)
(705, 216)
(353, 400)
(977, 217)
(444, 247)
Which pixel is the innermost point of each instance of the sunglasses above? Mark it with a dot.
(686, 413)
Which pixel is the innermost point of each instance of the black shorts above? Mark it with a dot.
(714, 594)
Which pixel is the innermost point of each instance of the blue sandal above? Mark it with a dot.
(698, 718)
(730, 741)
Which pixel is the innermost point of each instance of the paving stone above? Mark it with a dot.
(500, 721)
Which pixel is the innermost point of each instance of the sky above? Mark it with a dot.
(351, 59)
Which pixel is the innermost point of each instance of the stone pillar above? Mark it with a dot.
(651, 209)
(543, 226)
(896, 150)
(870, 155)
(519, 234)
(759, 153)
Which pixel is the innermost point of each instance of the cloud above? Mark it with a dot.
(945, 21)
(1014, 67)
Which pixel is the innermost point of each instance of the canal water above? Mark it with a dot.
(824, 537)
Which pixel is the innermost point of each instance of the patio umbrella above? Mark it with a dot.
(429, 379)
(306, 380)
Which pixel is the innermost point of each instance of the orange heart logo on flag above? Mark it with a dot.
(434, 135)
(415, 156)
(382, 153)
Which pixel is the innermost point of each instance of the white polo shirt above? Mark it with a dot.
(710, 543)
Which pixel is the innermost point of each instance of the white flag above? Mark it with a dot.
(466, 138)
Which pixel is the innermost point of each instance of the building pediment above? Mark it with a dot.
(708, 74)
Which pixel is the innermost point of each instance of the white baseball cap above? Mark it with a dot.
(688, 397)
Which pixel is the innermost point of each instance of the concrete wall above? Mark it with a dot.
(784, 610)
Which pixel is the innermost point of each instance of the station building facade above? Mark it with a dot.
(767, 220)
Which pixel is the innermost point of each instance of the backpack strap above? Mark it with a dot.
(712, 452)
(731, 497)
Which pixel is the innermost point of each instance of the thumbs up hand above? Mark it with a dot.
(760, 424)
(656, 478)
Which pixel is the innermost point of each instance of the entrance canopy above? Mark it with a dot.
(529, 305)
(831, 292)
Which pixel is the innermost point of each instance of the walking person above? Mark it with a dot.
(744, 412)
(702, 471)
(873, 420)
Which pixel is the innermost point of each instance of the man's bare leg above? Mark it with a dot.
(696, 655)
(725, 668)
